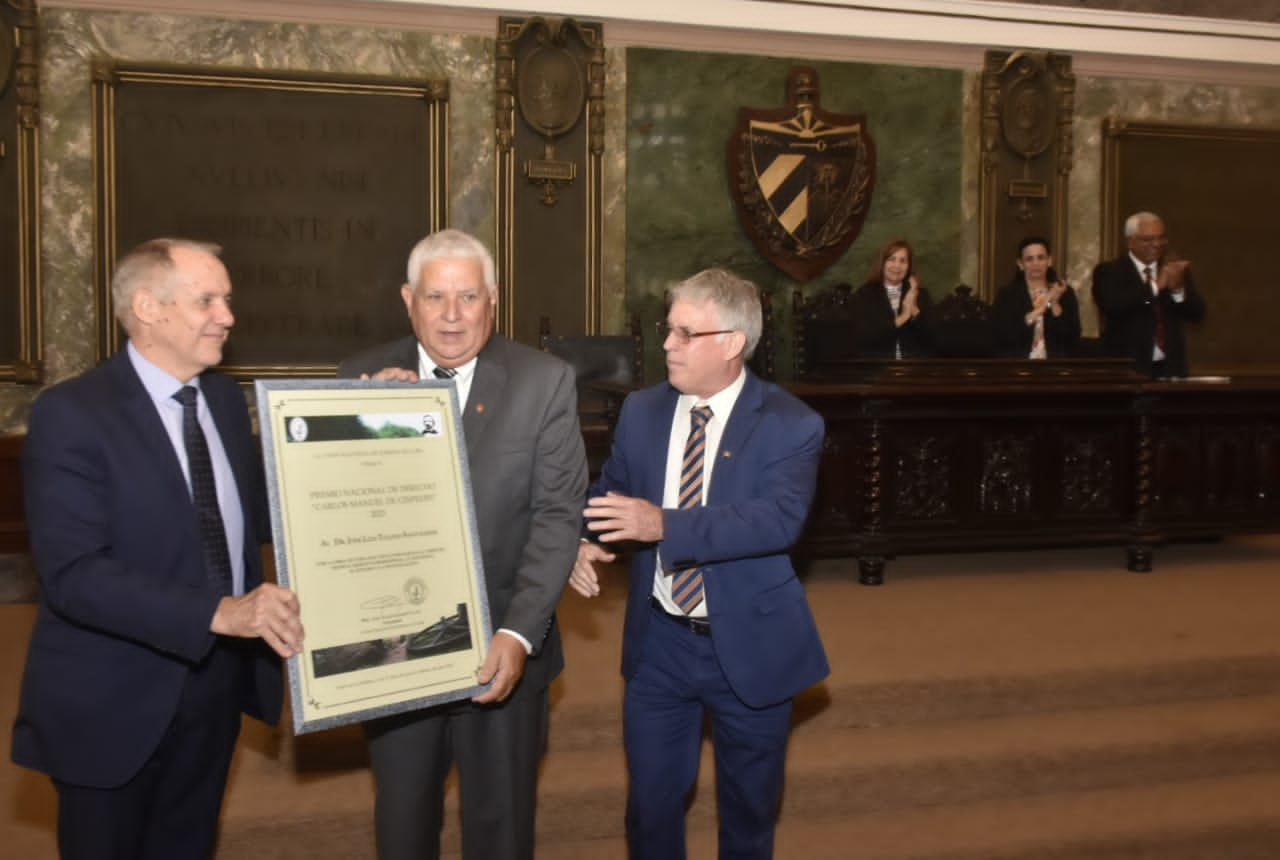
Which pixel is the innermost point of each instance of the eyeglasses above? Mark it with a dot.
(684, 335)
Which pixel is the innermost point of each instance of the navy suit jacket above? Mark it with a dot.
(125, 603)
(1129, 321)
(875, 332)
(1013, 335)
(762, 485)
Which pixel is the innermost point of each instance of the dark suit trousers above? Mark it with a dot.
(497, 750)
(169, 809)
(678, 680)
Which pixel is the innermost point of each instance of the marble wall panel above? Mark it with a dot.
(667, 209)
(683, 107)
(72, 39)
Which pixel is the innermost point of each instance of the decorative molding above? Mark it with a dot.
(924, 32)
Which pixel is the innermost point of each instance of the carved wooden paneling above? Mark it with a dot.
(986, 454)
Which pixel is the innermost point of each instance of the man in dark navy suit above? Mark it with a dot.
(154, 623)
(1144, 298)
(711, 474)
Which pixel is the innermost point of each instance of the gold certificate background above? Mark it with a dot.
(375, 537)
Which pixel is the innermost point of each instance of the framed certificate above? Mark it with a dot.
(374, 530)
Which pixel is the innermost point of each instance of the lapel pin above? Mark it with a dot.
(479, 408)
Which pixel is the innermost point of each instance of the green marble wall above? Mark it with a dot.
(681, 109)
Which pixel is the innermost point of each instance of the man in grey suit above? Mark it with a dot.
(528, 479)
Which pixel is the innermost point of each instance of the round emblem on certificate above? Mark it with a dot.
(415, 590)
(298, 429)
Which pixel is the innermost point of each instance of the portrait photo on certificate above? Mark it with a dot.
(374, 529)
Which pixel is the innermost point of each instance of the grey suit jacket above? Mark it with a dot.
(528, 479)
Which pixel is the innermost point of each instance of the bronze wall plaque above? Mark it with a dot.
(1211, 185)
(801, 178)
(21, 334)
(316, 188)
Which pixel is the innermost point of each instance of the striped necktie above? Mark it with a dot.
(686, 587)
(445, 372)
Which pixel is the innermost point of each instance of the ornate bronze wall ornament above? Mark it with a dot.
(1028, 99)
(801, 178)
(549, 96)
(21, 331)
(551, 93)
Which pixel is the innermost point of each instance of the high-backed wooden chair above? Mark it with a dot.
(963, 327)
(820, 330)
(762, 360)
(607, 367)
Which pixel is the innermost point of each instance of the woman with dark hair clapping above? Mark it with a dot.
(1036, 315)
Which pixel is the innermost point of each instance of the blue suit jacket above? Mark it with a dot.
(125, 604)
(762, 486)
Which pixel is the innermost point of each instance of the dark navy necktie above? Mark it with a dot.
(204, 491)
(445, 372)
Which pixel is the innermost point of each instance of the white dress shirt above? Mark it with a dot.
(161, 387)
(721, 404)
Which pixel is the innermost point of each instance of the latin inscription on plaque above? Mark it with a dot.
(316, 190)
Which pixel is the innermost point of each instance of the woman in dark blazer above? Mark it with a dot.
(1036, 315)
(891, 311)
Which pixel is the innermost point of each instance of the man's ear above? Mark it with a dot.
(144, 306)
(406, 293)
(735, 344)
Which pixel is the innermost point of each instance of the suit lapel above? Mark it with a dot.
(742, 423)
(485, 397)
(654, 441)
(139, 411)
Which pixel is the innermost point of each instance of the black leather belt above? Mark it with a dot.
(701, 626)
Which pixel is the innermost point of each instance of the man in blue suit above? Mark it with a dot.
(149, 636)
(711, 474)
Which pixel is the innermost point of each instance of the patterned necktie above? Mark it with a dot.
(686, 586)
(1155, 304)
(445, 372)
(204, 492)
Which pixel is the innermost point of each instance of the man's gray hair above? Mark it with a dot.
(1131, 223)
(737, 302)
(451, 244)
(149, 266)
